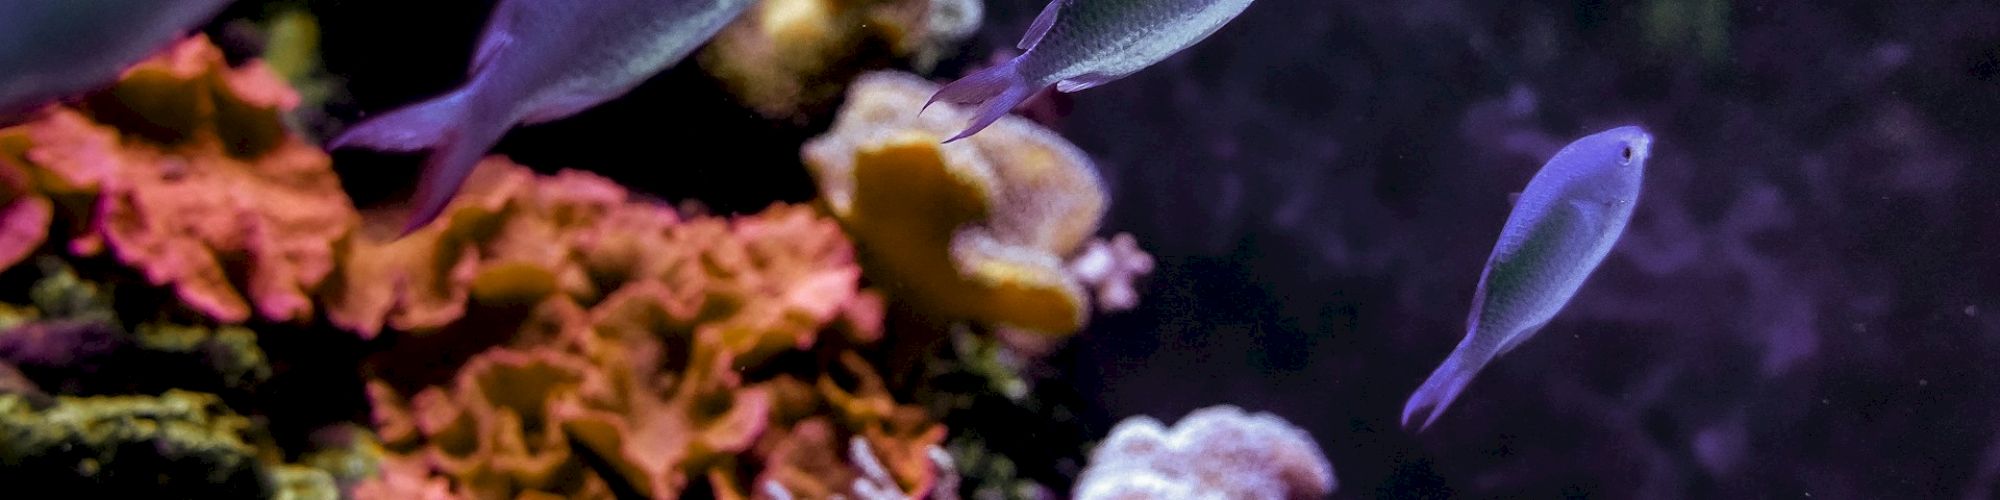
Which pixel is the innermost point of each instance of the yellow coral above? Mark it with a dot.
(974, 230)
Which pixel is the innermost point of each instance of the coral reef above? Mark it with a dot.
(973, 230)
(1215, 452)
(557, 335)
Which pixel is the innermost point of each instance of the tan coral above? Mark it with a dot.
(902, 435)
(495, 430)
(197, 185)
(507, 239)
(975, 230)
(657, 444)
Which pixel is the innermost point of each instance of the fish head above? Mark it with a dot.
(1609, 165)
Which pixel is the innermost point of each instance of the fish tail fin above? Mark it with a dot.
(996, 90)
(446, 170)
(443, 125)
(415, 127)
(1444, 385)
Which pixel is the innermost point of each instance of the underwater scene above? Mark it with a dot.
(999, 249)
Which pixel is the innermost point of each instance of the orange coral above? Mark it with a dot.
(645, 325)
(197, 186)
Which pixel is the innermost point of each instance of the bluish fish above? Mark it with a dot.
(51, 49)
(1562, 226)
(538, 61)
(1079, 44)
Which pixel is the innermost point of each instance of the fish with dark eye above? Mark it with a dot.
(538, 61)
(52, 49)
(1079, 44)
(1562, 227)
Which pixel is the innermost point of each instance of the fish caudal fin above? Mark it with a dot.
(441, 125)
(995, 90)
(1443, 386)
(445, 172)
(415, 127)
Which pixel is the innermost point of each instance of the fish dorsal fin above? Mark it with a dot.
(1042, 24)
(1513, 198)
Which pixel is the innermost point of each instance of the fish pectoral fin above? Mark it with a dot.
(1040, 28)
(1591, 214)
(1085, 81)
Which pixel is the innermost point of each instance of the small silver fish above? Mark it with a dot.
(538, 61)
(1561, 228)
(51, 49)
(1079, 44)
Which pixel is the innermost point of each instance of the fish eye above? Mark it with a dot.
(1625, 155)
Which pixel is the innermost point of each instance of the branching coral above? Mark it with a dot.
(973, 230)
(1216, 452)
(195, 184)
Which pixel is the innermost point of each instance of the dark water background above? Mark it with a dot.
(1802, 306)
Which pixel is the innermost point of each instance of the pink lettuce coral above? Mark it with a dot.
(194, 182)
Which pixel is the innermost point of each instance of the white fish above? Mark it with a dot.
(1562, 226)
(1079, 44)
(51, 49)
(538, 61)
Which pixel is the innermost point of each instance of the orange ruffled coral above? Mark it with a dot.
(196, 184)
(644, 327)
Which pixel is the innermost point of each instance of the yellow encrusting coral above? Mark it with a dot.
(973, 230)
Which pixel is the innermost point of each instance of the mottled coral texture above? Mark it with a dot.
(194, 181)
(629, 375)
(973, 230)
(1214, 453)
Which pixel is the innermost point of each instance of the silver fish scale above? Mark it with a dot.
(1117, 37)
